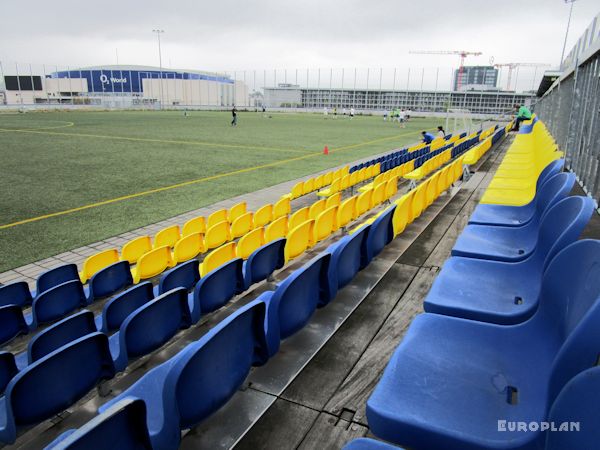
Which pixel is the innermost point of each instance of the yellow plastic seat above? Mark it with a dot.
(362, 175)
(188, 247)
(300, 216)
(195, 225)
(328, 178)
(334, 200)
(242, 225)
(458, 168)
(218, 257)
(250, 242)
(97, 262)
(319, 182)
(216, 217)
(344, 182)
(363, 203)
(309, 186)
(378, 196)
(345, 212)
(281, 208)
(167, 236)
(419, 201)
(299, 239)
(431, 189)
(402, 215)
(152, 263)
(316, 208)
(236, 211)
(391, 187)
(441, 182)
(370, 171)
(217, 235)
(325, 224)
(134, 249)
(353, 178)
(297, 191)
(376, 169)
(334, 188)
(263, 215)
(276, 229)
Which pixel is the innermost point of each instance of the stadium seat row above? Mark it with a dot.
(315, 183)
(509, 333)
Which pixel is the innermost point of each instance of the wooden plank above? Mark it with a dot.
(283, 426)
(335, 360)
(358, 385)
(329, 432)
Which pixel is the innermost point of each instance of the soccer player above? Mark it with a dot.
(352, 113)
(427, 137)
(234, 116)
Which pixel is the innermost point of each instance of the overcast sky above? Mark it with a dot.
(279, 34)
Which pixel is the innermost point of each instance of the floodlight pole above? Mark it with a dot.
(160, 85)
(566, 32)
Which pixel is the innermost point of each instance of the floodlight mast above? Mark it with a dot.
(160, 85)
(562, 56)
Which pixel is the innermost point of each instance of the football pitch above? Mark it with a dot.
(73, 178)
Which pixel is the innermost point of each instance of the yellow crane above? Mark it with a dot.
(512, 66)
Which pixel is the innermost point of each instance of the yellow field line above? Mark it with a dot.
(190, 182)
(160, 141)
(25, 130)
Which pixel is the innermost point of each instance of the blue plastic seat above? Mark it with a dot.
(117, 309)
(504, 292)
(122, 427)
(16, 293)
(56, 276)
(53, 383)
(509, 244)
(369, 444)
(12, 323)
(110, 280)
(577, 403)
(202, 377)
(150, 326)
(8, 369)
(264, 261)
(348, 256)
(380, 234)
(216, 288)
(451, 380)
(547, 193)
(184, 275)
(55, 303)
(295, 300)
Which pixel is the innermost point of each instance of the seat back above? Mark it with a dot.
(345, 212)
(185, 275)
(153, 263)
(110, 280)
(325, 224)
(549, 171)
(328, 177)
(167, 236)
(298, 296)
(188, 247)
(418, 201)
(206, 374)
(299, 239)
(134, 249)
(123, 427)
(316, 208)
(577, 404)
(555, 189)
(308, 186)
(217, 287)
(431, 189)
(217, 235)
(391, 187)
(319, 181)
(16, 293)
(380, 234)
(8, 369)
(251, 241)
(333, 200)
(263, 215)
(348, 257)
(217, 217)
(402, 214)
(561, 225)
(117, 309)
(218, 257)
(59, 334)
(165, 315)
(242, 225)
(12, 323)
(378, 194)
(97, 262)
(57, 301)
(236, 211)
(195, 225)
(569, 311)
(363, 202)
(298, 218)
(264, 261)
(56, 381)
(59, 275)
(298, 190)
(276, 229)
(282, 208)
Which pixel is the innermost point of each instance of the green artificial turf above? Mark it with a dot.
(56, 161)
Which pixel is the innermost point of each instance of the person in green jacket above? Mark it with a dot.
(523, 113)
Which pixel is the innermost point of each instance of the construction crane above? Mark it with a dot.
(512, 66)
(462, 53)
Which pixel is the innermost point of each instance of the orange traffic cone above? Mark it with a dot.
(326, 151)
